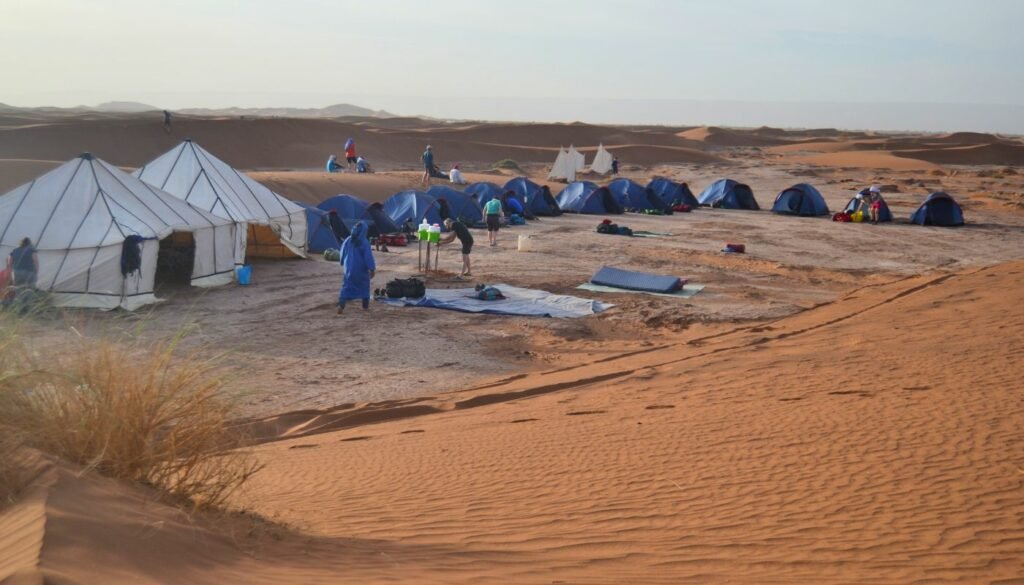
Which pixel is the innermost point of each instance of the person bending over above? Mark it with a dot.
(457, 229)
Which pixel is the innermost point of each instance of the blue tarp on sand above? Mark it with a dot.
(632, 280)
(518, 301)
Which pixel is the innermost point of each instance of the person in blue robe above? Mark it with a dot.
(358, 268)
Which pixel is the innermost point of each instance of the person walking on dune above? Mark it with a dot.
(350, 152)
(428, 164)
(167, 121)
(358, 268)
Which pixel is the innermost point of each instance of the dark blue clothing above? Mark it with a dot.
(514, 205)
(428, 160)
(21, 259)
(357, 262)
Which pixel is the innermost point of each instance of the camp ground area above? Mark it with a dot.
(282, 328)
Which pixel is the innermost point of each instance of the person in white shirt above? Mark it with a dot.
(455, 176)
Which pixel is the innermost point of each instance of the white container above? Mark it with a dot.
(525, 243)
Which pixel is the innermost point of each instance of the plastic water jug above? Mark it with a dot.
(435, 233)
(423, 231)
(244, 274)
(525, 242)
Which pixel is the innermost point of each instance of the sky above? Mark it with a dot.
(882, 64)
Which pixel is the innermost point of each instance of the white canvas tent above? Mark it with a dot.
(79, 216)
(271, 226)
(578, 158)
(564, 167)
(602, 161)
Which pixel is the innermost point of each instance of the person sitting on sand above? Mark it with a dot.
(455, 176)
(332, 164)
(457, 229)
(428, 164)
(358, 268)
(24, 263)
(362, 165)
(874, 201)
(493, 213)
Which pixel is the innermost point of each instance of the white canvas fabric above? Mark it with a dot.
(190, 172)
(78, 217)
(564, 167)
(578, 158)
(602, 161)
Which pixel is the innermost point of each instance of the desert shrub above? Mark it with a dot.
(506, 163)
(137, 413)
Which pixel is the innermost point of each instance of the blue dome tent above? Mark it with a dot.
(586, 197)
(484, 192)
(346, 206)
(801, 199)
(673, 193)
(884, 213)
(412, 206)
(460, 205)
(634, 196)
(939, 209)
(529, 194)
(319, 233)
(728, 194)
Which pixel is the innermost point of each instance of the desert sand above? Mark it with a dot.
(839, 405)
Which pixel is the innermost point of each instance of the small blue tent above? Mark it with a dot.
(412, 206)
(939, 209)
(629, 194)
(380, 223)
(484, 192)
(346, 206)
(460, 205)
(728, 194)
(884, 213)
(319, 234)
(800, 199)
(542, 202)
(586, 197)
(529, 193)
(673, 193)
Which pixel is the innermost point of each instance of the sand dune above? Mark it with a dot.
(981, 154)
(867, 160)
(834, 446)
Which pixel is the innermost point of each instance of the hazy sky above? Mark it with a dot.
(669, 61)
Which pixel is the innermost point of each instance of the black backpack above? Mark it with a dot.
(410, 288)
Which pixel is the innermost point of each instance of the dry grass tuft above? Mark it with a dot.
(143, 414)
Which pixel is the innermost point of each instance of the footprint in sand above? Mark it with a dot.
(413, 431)
(360, 438)
(582, 412)
(659, 406)
(522, 420)
(304, 446)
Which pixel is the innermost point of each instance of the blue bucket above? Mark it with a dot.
(244, 274)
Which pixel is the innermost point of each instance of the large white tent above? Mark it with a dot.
(602, 161)
(578, 158)
(85, 217)
(272, 226)
(564, 167)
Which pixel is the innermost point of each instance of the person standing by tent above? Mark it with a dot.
(167, 121)
(358, 268)
(457, 229)
(615, 166)
(332, 164)
(350, 152)
(24, 262)
(428, 164)
(494, 213)
(875, 200)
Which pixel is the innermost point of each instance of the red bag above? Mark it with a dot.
(5, 278)
(842, 216)
(393, 240)
(682, 208)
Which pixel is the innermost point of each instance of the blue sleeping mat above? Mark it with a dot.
(642, 281)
